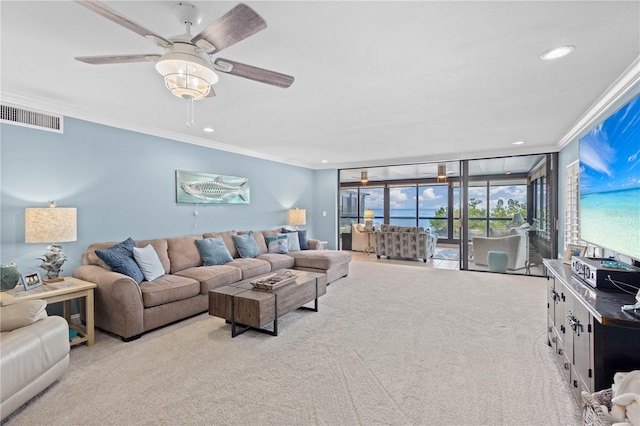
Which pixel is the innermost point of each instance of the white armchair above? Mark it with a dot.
(516, 246)
(359, 238)
(34, 352)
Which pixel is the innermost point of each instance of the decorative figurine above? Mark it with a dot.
(53, 260)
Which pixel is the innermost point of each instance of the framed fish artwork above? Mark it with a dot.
(201, 188)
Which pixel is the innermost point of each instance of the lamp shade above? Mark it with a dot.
(297, 217)
(50, 225)
(517, 218)
(186, 74)
(369, 214)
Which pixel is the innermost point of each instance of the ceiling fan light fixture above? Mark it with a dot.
(442, 173)
(186, 75)
(364, 177)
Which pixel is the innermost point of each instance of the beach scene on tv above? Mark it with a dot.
(610, 182)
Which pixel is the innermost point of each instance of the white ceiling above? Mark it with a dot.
(377, 83)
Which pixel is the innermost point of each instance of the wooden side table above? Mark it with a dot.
(369, 248)
(64, 291)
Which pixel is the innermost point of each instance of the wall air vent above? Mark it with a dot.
(31, 118)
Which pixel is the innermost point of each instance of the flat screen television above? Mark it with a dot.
(610, 182)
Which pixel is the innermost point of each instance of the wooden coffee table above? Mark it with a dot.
(247, 308)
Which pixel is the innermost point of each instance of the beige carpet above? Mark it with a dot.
(392, 344)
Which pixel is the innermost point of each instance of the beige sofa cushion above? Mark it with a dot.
(183, 253)
(250, 267)
(211, 277)
(167, 289)
(320, 259)
(278, 261)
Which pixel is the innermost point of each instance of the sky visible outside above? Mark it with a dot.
(610, 153)
(435, 196)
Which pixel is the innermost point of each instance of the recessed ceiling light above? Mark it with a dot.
(556, 53)
(518, 143)
(208, 129)
(324, 161)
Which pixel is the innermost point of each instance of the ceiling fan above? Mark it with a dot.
(187, 65)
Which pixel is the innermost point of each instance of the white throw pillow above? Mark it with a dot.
(149, 262)
(293, 241)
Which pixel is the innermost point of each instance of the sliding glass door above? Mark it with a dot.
(510, 202)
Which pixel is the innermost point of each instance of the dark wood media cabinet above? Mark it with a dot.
(591, 336)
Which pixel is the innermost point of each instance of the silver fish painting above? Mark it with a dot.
(196, 187)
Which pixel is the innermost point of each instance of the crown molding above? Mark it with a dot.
(616, 94)
(68, 111)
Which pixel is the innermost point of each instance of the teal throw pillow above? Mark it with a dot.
(246, 245)
(213, 251)
(278, 244)
(120, 259)
(148, 262)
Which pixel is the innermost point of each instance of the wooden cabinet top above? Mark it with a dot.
(605, 306)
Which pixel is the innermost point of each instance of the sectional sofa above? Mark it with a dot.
(128, 308)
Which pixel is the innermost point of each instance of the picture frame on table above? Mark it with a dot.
(573, 250)
(30, 280)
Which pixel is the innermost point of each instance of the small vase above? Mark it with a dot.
(9, 276)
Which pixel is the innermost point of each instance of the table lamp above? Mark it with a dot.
(368, 220)
(50, 225)
(297, 217)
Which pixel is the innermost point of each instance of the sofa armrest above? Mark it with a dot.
(118, 300)
(22, 314)
(317, 244)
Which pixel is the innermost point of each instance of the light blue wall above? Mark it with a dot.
(123, 184)
(325, 213)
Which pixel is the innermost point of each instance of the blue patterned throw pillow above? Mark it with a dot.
(120, 259)
(278, 244)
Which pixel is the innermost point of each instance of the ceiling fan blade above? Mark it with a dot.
(236, 25)
(118, 18)
(117, 59)
(253, 73)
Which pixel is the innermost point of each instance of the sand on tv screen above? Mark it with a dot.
(610, 182)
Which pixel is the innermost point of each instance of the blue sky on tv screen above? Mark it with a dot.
(610, 153)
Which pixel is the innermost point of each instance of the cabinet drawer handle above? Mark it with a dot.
(560, 351)
(575, 383)
(566, 365)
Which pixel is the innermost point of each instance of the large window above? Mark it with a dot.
(433, 208)
(496, 205)
(354, 202)
(403, 205)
